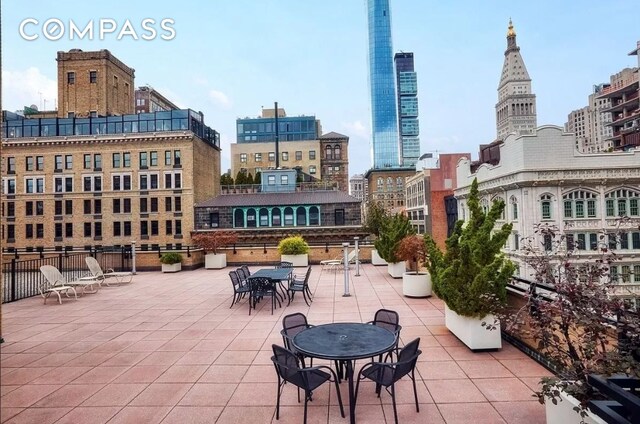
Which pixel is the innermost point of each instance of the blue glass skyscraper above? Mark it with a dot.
(407, 84)
(384, 117)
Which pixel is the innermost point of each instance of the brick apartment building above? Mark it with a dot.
(107, 178)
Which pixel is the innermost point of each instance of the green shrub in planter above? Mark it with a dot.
(171, 258)
(293, 245)
(393, 230)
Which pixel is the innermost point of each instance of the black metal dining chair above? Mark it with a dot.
(386, 374)
(390, 320)
(292, 324)
(262, 287)
(288, 369)
(300, 286)
(239, 288)
(284, 264)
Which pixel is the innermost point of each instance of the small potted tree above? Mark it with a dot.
(415, 283)
(392, 231)
(211, 242)
(171, 262)
(580, 327)
(294, 249)
(376, 214)
(471, 277)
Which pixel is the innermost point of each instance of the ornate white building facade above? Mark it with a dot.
(543, 179)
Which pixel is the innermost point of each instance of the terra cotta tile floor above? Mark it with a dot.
(167, 348)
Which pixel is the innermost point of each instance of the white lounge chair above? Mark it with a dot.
(51, 285)
(98, 275)
(335, 263)
(56, 279)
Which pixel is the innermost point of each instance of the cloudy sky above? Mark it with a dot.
(230, 58)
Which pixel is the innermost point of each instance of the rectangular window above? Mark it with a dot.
(153, 181)
(58, 230)
(272, 156)
(570, 242)
(144, 182)
(68, 162)
(97, 162)
(11, 165)
(167, 204)
(87, 207)
(127, 228)
(243, 158)
(636, 273)
(117, 231)
(28, 231)
(547, 242)
(582, 241)
(144, 228)
(87, 229)
(39, 231)
(610, 208)
(635, 240)
(126, 205)
(178, 226)
(593, 241)
(622, 207)
(93, 77)
(57, 210)
(591, 208)
(97, 229)
(71, 77)
(39, 185)
(612, 241)
(285, 156)
(168, 227)
(154, 228)
(624, 241)
(284, 179)
(167, 157)
(97, 207)
(154, 158)
(176, 158)
(126, 182)
(633, 207)
(312, 169)
(116, 160)
(115, 185)
(568, 210)
(68, 207)
(298, 155)
(339, 217)
(68, 229)
(11, 209)
(87, 161)
(258, 157)
(116, 205)
(177, 204)
(312, 155)
(126, 160)
(58, 162)
(154, 204)
(29, 164)
(214, 220)
(271, 180)
(143, 205)
(143, 160)
(39, 163)
(579, 208)
(29, 186)
(68, 184)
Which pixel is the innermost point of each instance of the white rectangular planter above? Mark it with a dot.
(172, 267)
(215, 261)
(376, 259)
(396, 269)
(471, 332)
(563, 412)
(296, 260)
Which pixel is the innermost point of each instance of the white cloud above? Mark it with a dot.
(357, 128)
(219, 98)
(26, 87)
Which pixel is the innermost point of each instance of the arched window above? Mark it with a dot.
(336, 152)
(251, 218)
(238, 218)
(301, 216)
(288, 216)
(514, 208)
(276, 219)
(545, 205)
(380, 182)
(579, 204)
(622, 202)
(314, 215)
(328, 152)
(264, 217)
(399, 181)
(389, 181)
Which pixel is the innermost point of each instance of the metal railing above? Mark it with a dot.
(21, 278)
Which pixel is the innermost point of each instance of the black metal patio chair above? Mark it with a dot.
(390, 320)
(300, 286)
(292, 324)
(284, 264)
(262, 287)
(239, 289)
(288, 369)
(386, 374)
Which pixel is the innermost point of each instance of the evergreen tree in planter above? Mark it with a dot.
(392, 231)
(294, 249)
(472, 275)
(375, 215)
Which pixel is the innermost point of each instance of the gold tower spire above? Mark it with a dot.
(511, 32)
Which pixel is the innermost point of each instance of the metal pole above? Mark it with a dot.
(133, 257)
(345, 261)
(357, 257)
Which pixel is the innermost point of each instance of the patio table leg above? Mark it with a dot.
(352, 406)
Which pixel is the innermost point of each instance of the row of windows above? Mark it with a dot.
(93, 77)
(594, 241)
(332, 152)
(94, 229)
(257, 157)
(277, 217)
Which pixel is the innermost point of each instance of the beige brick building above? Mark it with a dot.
(387, 186)
(93, 83)
(256, 157)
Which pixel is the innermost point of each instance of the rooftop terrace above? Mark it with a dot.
(167, 348)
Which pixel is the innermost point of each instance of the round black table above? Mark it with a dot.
(346, 342)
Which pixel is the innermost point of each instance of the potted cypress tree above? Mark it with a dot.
(472, 275)
(392, 230)
(376, 214)
(171, 262)
(294, 249)
(210, 242)
(415, 282)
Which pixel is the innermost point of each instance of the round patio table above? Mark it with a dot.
(345, 342)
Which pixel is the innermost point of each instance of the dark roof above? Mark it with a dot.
(332, 135)
(280, 199)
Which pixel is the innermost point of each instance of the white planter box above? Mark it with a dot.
(171, 268)
(396, 269)
(296, 260)
(471, 332)
(215, 261)
(376, 259)
(563, 412)
(416, 285)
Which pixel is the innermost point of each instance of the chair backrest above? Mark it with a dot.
(351, 257)
(306, 277)
(287, 365)
(246, 271)
(388, 319)
(260, 284)
(292, 324)
(235, 280)
(284, 265)
(407, 358)
(94, 267)
(52, 275)
(241, 274)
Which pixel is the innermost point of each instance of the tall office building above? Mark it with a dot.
(384, 118)
(590, 124)
(407, 84)
(516, 107)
